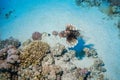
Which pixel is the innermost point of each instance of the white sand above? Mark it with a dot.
(54, 16)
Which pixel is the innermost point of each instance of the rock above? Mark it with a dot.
(48, 60)
(66, 58)
(51, 71)
(102, 69)
(12, 51)
(5, 66)
(71, 66)
(71, 54)
(13, 59)
(58, 50)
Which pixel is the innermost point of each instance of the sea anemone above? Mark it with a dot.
(36, 36)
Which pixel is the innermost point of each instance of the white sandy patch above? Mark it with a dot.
(83, 63)
(98, 28)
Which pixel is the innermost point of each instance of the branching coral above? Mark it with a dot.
(31, 59)
(33, 53)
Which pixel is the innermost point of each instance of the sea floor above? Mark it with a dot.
(97, 28)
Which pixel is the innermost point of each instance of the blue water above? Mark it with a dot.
(48, 15)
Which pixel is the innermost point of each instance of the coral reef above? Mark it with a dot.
(90, 52)
(88, 2)
(36, 36)
(97, 70)
(9, 41)
(58, 50)
(31, 58)
(109, 7)
(36, 60)
(9, 62)
(26, 42)
(52, 72)
(33, 53)
(114, 2)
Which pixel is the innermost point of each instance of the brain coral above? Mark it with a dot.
(33, 53)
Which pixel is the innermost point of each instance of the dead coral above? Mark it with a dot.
(58, 50)
(51, 72)
(30, 73)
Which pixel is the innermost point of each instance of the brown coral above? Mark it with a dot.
(33, 53)
(31, 59)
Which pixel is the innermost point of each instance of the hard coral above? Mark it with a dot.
(9, 41)
(36, 36)
(30, 73)
(31, 60)
(58, 50)
(33, 53)
(51, 71)
(9, 64)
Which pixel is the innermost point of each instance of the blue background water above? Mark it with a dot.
(48, 15)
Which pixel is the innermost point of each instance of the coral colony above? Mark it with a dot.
(37, 60)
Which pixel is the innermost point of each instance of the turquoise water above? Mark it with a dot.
(48, 15)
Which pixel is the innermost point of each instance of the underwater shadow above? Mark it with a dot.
(79, 48)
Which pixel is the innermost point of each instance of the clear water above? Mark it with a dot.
(48, 15)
